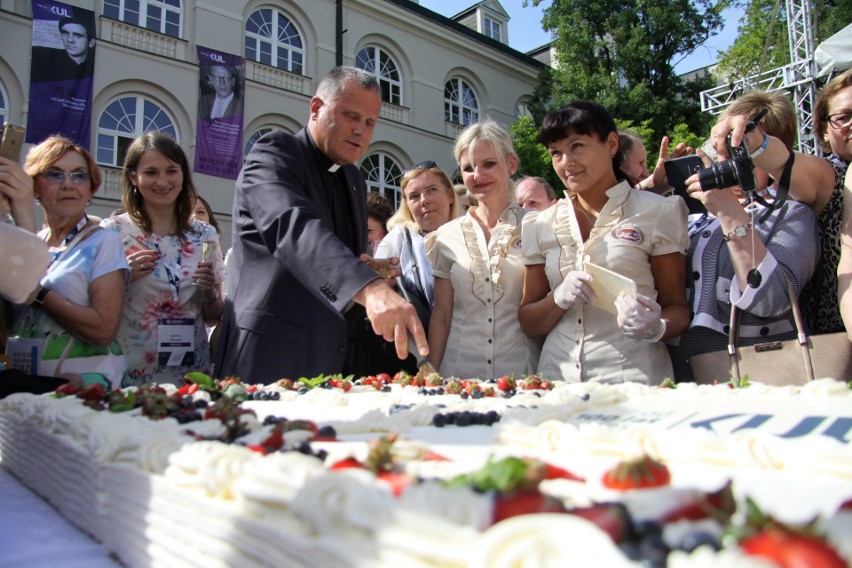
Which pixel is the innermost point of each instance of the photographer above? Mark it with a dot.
(736, 257)
(816, 182)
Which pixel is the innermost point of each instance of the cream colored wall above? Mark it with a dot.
(427, 54)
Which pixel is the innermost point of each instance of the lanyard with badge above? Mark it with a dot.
(175, 335)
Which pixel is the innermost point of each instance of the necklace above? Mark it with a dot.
(580, 208)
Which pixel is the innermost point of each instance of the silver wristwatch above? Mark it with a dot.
(738, 232)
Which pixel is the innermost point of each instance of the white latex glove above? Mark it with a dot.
(574, 288)
(639, 317)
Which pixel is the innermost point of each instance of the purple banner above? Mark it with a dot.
(61, 73)
(219, 130)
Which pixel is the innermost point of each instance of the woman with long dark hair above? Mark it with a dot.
(176, 272)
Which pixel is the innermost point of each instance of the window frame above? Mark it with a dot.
(391, 87)
(275, 45)
(387, 181)
(141, 124)
(118, 10)
(492, 28)
(462, 109)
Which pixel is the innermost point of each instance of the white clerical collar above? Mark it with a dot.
(333, 168)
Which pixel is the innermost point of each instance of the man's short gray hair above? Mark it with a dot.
(336, 80)
(551, 193)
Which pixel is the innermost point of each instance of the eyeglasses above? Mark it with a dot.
(427, 165)
(220, 78)
(840, 119)
(58, 176)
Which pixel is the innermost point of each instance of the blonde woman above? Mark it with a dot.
(478, 267)
(428, 201)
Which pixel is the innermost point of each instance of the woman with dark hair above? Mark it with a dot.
(76, 311)
(608, 223)
(378, 212)
(176, 282)
(203, 212)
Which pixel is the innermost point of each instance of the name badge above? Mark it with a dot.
(25, 354)
(176, 341)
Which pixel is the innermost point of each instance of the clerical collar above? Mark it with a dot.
(323, 161)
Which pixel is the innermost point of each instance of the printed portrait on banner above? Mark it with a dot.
(219, 130)
(61, 72)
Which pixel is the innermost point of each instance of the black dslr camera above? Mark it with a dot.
(738, 170)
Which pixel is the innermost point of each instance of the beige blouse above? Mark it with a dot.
(634, 225)
(485, 339)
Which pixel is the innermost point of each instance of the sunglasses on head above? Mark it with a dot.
(426, 165)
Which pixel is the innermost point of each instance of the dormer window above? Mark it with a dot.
(491, 28)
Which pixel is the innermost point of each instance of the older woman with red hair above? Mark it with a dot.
(74, 316)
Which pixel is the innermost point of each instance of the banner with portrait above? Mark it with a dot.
(219, 128)
(61, 72)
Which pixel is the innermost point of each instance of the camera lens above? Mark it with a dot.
(718, 176)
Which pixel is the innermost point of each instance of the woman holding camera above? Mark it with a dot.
(75, 314)
(738, 258)
(817, 182)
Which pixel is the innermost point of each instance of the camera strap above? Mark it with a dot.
(783, 189)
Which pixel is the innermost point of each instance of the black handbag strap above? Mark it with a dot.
(783, 189)
(801, 336)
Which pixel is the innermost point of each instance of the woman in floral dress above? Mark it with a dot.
(478, 267)
(173, 291)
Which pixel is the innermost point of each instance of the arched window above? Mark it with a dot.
(4, 105)
(122, 121)
(522, 109)
(273, 40)
(254, 138)
(163, 16)
(460, 103)
(380, 65)
(383, 174)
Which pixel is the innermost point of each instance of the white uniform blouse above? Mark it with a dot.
(485, 339)
(634, 225)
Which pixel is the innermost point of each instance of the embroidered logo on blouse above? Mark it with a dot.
(516, 243)
(628, 233)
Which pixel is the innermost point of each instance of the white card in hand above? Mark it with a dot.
(608, 285)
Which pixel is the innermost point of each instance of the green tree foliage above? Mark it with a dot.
(535, 161)
(832, 16)
(763, 36)
(761, 42)
(621, 52)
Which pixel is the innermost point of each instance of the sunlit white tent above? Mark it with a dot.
(834, 54)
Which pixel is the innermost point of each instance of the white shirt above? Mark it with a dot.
(220, 106)
(485, 339)
(587, 344)
(394, 245)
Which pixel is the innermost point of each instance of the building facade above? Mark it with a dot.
(437, 75)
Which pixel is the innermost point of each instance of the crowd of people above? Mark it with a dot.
(496, 276)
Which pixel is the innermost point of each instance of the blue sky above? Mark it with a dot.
(525, 31)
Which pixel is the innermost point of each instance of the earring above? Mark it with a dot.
(135, 190)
